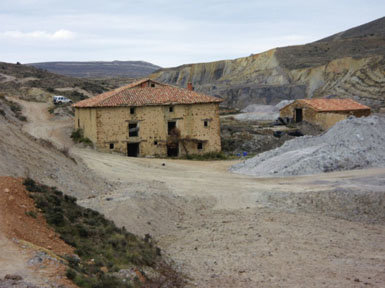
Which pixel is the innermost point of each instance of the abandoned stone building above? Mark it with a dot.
(148, 118)
(323, 112)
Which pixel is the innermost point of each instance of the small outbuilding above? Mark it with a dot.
(323, 112)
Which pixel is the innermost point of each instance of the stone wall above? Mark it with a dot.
(112, 125)
(323, 119)
(85, 119)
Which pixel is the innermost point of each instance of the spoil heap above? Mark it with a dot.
(354, 143)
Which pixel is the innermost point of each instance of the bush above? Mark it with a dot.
(71, 274)
(78, 137)
(31, 214)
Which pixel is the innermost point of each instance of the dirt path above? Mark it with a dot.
(6, 78)
(41, 124)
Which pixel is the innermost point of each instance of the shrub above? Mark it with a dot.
(78, 137)
(71, 274)
(31, 214)
(21, 118)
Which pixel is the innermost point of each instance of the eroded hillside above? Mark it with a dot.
(351, 65)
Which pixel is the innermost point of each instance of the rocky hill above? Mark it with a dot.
(348, 64)
(100, 69)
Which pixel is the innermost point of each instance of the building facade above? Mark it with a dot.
(323, 112)
(147, 118)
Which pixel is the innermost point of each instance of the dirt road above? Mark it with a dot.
(227, 230)
(41, 125)
(223, 231)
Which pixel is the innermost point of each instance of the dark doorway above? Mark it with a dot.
(171, 126)
(132, 149)
(298, 115)
(173, 150)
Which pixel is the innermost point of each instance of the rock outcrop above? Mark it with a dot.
(349, 64)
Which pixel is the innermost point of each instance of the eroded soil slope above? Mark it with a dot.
(29, 247)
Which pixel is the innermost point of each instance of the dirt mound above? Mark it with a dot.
(354, 143)
(256, 112)
(21, 220)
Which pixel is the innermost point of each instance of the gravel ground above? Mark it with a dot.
(354, 143)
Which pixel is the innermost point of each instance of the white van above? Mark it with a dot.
(57, 99)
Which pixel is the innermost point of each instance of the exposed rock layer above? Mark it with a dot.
(349, 64)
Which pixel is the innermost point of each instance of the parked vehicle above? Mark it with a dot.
(57, 99)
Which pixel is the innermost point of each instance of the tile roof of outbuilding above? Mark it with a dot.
(332, 105)
(136, 95)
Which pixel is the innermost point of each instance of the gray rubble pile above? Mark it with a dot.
(283, 103)
(255, 112)
(354, 143)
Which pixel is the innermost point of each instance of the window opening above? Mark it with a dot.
(171, 126)
(133, 130)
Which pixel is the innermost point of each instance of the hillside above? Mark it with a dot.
(31, 83)
(99, 69)
(347, 64)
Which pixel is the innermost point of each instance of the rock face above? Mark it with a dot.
(349, 64)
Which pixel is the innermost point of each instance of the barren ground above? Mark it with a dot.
(227, 230)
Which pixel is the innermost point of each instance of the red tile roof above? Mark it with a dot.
(333, 105)
(136, 95)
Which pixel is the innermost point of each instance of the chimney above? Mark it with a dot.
(190, 86)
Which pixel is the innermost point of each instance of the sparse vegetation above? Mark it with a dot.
(209, 156)
(31, 214)
(14, 107)
(78, 137)
(102, 247)
(46, 81)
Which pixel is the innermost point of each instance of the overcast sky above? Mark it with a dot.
(169, 32)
